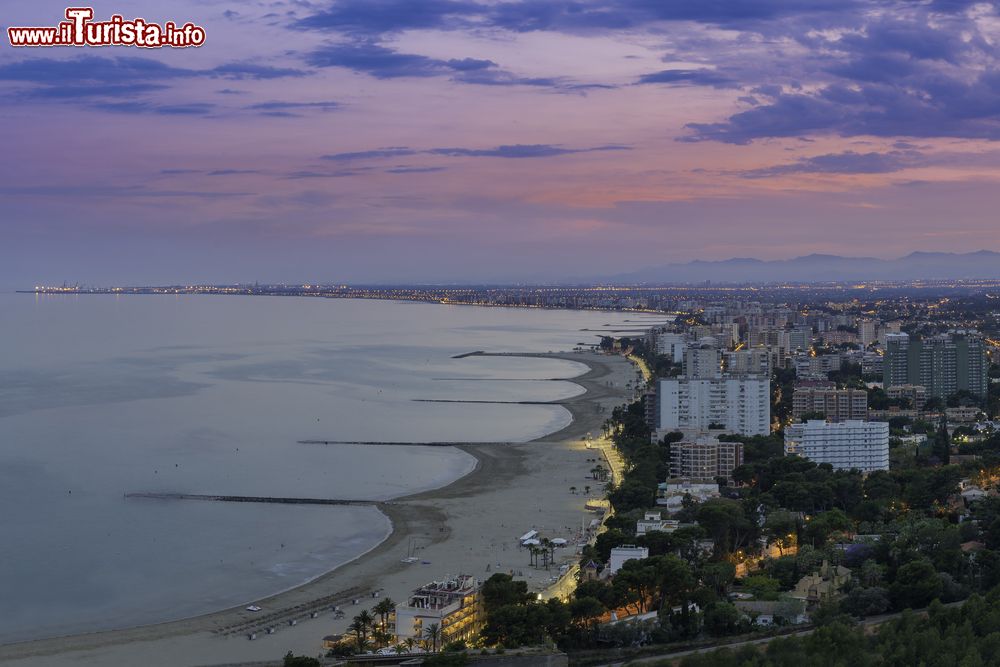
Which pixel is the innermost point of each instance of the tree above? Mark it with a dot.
(383, 609)
(432, 635)
(915, 585)
(586, 611)
(718, 576)
(722, 618)
(359, 626)
(501, 590)
(762, 586)
(863, 602)
(781, 529)
(822, 526)
(942, 443)
(292, 660)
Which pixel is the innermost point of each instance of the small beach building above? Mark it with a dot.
(671, 493)
(626, 552)
(454, 605)
(654, 521)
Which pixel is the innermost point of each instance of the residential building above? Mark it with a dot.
(807, 366)
(703, 360)
(822, 585)
(752, 361)
(653, 521)
(626, 552)
(916, 394)
(872, 363)
(944, 364)
(737, 405)
(670, 494)
(454, 605)
(704, 457)
(836, 404)
(672, 345)
(844, 445)
(867, 332)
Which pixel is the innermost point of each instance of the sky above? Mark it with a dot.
(510, 141)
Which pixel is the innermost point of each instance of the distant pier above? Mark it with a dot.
(250, 499)
(453, 443)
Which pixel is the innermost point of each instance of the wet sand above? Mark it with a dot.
(470, 526)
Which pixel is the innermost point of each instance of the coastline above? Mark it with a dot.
(451, 527)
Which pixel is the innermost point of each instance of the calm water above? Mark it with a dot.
(102, 395)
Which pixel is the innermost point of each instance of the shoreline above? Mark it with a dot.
(425, 521)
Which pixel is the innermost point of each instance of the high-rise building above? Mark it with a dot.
(753, 361)
(837, 405)
(867, 332)
(672, 345)
(703, 359)
(704, 457)
(916, 394)
(455, 606)
(944, 364)
(737, 405)
(846, 445)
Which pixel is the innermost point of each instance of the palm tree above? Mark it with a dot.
(586, 490)
(572, 490)
(410, 643)
(432, 633)
(383, 609)
(360, 626)
(381, 637)
(360, 633)
(548, 550)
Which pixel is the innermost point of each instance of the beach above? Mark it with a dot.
(470, 526)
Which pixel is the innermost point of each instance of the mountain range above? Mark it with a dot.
(816, 268)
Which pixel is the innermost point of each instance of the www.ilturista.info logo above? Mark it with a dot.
(79, 29)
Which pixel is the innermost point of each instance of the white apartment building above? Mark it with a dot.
(844, 445)
(753, 361)
(653, 522)
(626, 552)
(672, 345)
(703, 359)
(738, 405)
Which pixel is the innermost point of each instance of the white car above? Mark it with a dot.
(253, 607)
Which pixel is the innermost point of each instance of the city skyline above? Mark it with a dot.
(445, 140)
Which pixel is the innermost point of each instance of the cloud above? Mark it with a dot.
(306, 174)
(506, 151)
(186, 109)
(848, 162)
(288, 109)
(232, 172)
(392, 151)
(382, 62)
(701, 77)
(240, 71)
(102, 192)
(376, 17)
(520, 151)
(413, 170)
(379, 16)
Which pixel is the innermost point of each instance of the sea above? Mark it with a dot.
(102, 395)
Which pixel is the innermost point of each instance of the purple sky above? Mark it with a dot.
(430, 140)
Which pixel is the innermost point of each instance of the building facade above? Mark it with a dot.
(705, 457)
(837, 405)
(454, 605)
(737, 405)
(944, 364)
(845, 445)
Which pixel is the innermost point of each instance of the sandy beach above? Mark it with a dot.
(470, 526)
